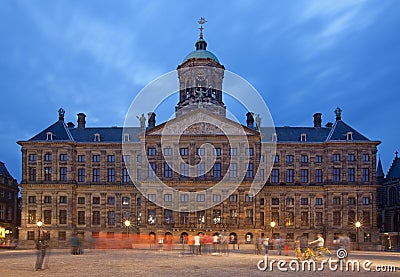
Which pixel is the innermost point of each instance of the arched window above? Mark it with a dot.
(392, 196)
(49, 136)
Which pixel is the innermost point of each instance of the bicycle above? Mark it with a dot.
(315, 254)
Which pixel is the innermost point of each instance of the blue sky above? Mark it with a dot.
(302, 56)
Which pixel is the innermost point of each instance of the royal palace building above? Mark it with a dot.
(91, 180)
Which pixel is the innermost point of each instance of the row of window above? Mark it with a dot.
(319, 201)
(4, 193)
(6, 213)
(304, 175)
(47, 199)
(81, 158)
(184, 151)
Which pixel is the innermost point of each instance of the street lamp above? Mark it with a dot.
(127, 224)
(273, 224)
(358, 226)
(39, 225)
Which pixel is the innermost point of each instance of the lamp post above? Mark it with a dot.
(273, 224)
(127, 224)
(358, 226)
(39, 225)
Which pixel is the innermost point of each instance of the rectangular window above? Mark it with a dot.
(365, 158)
(184, 217)
(275, 201)
(350, 175)
(63, 199)
(151, 219)
(318, 176)
(248, 198)
(365, 174)
(111, 200)
(366, 200)
(111, 158)
(289, 175)
(96, 200)
(249, 171)
(304, 219)
(366, 218)
(167, 151)
(138, 173)
(200, 169)
(336, 175)
(184, 151)
(62, 217)
(261, 174)
(217, 170)
(200, 151)
(289, 220)
(233, 198)
(126, 159)
(63, 174)
(47, 173)
(304, 158)
(336, 200)
(47, 199)
(201, 217)
(351, 157)
(184, 169)
(96, 175)
(96, 158)
(151, 197)
(125, 175)
(31, 216)
(81, 175)
(81, 158)
(233, 151)
(336, 157)
(337, 218)
(275, 158)
(47, 217)
(126, 201)
(352, 200)
(217, 152)
(275, 217)
(289, 159)
(111, 218)
(250, 151)
(168, 216)
(304, 201)
(96, 218)
(31, 199)
(62, 235)
(47, 157)
(152, 170)
(318, 218)
(63, 157)
(304, 175)
(81, 200)
(275, 176)
(184, 198)
(367, 237)
(32, 157)
(167, 171)
(139, 158)
(168, 197)
(318, 159)
(32, 174)
(81, 217)
(290, 201)
(151, 152)
(318, 201)
(110, 175)
(201, 197)
(217, 198)
(233, 170)
(217, 216)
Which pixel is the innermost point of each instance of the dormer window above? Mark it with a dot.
(274, 137)
(126, 137)
(96, 137)
(49, 136)
(303, 137)
(349, 136)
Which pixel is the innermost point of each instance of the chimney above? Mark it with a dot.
(329, 125)
(61, 113)
(317, 120)
(70, 125)
(151, 120)
(81, 120)
(250, 120)
(338, 113)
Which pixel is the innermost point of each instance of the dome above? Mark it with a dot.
(201, 54)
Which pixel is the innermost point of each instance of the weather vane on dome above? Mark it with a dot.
(201, 21)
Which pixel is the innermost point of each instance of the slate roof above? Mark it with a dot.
(338, 132)
(394, 170)
(60, 132)
(379, 169)
(4, 171)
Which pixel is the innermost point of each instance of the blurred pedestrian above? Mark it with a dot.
(41, 246)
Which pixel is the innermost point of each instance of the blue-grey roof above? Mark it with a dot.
(338, 132)
(379, 169)
(4, 171)
(394, 170)
(59, 130)
(201, 54)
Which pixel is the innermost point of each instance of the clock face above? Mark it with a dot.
(200, 75)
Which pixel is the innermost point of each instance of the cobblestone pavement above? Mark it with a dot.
(151, 262)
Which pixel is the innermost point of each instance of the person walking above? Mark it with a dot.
(41, 246)
(197, 245)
